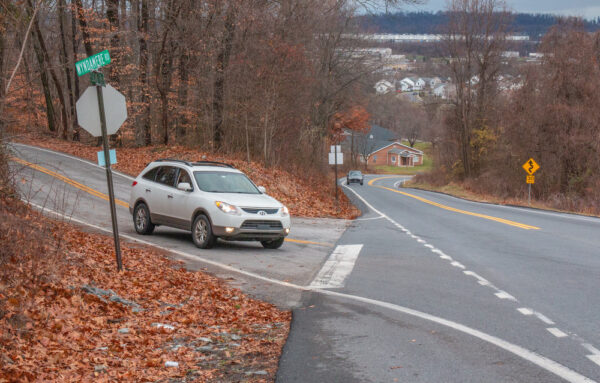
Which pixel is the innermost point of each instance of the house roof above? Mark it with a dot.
(400, 152)
(382, 145)
(381, 134)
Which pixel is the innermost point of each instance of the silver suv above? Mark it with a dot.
(210, 199)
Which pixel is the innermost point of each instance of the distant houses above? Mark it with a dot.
(436, 86)
(384, 87)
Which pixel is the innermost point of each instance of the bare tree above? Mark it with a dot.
(477, 31)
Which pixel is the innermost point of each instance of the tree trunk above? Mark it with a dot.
(47, 63)
(67, 63)
(247, 137)
(85, 32)
(2, 91)
(50, 117)
(112, 14)
(182, 122)
(143, 130)
(76, 135)
(221, 67)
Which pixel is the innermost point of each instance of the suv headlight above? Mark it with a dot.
(285, 211)
(227, 208)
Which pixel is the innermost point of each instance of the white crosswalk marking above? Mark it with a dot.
(337, 267)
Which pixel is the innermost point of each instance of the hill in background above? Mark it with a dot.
(533, 25)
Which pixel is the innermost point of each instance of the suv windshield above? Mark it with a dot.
(225, 182)
(355, 173)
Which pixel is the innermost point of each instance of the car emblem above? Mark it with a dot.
(262, 212)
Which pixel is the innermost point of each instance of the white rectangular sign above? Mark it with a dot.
(340, 158)
(333, 148)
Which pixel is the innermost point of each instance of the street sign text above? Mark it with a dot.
(92, 63)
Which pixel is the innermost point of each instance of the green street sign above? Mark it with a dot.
(92, 63)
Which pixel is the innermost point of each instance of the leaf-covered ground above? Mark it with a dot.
(306, 195)
(67, 315)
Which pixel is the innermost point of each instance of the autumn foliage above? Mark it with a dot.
(355, 119)
(53, 328)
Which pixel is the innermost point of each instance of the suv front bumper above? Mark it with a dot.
(252, 229)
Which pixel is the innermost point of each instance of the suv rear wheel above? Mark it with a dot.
(274, 244)
(202, 234)
(141, 220)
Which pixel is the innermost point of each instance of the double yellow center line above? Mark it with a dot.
(449, 208)
(66, 180)
(98, 194)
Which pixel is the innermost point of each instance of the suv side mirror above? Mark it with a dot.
(262, 189)
(184, 186)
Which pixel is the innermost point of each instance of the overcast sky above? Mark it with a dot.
(584, 8)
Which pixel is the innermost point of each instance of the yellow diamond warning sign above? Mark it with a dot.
(531, 167)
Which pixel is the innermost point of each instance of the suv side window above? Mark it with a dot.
(184, 177)
(150, 174)
(166, 175)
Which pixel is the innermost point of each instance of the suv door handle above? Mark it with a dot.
(170, 196)
(148, 191)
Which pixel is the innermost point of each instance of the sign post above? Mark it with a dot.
(530, 168)
(334, 159)
(93, 118)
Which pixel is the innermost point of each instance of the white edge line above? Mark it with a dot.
(368, 219)
(539, 360)
(180, 253)
(73, 158)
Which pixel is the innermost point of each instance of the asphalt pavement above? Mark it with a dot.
(423, 287)
(527, 277)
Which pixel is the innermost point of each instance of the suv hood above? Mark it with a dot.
(248, 200)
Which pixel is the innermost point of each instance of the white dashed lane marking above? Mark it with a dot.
(595, 353)
(504, 295)
(458, 264)
(540, 316)
(556, 332)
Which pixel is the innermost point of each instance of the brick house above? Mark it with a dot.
(395, 154)
(380, 146)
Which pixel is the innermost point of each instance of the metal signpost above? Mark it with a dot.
(93, 113)
(336, 158)
(530, 167)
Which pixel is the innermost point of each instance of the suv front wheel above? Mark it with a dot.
(202, 234)
(274, 244)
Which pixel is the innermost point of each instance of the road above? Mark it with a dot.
(527, 277)
(422, 288)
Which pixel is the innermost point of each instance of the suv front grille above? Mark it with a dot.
(262, 225)
(252, 210)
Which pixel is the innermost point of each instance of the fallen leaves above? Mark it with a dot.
(53, 330)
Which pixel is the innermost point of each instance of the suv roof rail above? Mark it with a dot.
(174, 160)
(212, 163)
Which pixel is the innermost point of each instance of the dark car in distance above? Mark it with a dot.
(354, 176)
